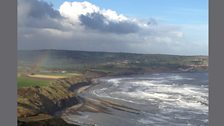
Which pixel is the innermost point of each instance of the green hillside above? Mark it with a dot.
(82, 61)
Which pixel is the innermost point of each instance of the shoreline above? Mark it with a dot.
(88, 82)
(98, 104)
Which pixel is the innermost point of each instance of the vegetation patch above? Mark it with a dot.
(23, 81)
(42, 76)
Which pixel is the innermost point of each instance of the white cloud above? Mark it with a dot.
(73, 10)
(113, 15)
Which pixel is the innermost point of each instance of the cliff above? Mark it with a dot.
(35, 101)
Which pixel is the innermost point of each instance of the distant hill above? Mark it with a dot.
(82, 61)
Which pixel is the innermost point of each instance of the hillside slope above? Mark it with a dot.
(82, 61)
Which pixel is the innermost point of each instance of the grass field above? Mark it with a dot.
(29, 82)
(40, 79)
(47, 76)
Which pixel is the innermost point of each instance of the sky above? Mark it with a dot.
(177, 27)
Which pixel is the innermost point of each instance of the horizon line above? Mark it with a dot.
(107, 52)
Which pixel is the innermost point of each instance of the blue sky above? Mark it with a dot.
(167, 11)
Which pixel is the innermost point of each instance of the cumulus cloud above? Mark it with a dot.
(99, 22)
(72, 10)
(93, 17)
(85, 26)
(39, 14)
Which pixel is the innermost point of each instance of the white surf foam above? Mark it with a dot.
(182, 96)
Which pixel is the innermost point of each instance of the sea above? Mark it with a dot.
(160, 99)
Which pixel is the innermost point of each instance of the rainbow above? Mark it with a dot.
(40, 61)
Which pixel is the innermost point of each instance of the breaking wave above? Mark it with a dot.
(163, 99)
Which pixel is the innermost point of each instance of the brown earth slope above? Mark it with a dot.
(34, 102)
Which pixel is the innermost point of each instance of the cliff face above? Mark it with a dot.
(50, 99)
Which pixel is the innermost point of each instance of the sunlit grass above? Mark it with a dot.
(31, 82)
(42, 76)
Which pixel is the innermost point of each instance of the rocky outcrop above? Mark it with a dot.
(54, 121)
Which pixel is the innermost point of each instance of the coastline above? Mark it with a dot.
(38, 106)
(72, 88)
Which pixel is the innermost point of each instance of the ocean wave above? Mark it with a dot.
(163, 99)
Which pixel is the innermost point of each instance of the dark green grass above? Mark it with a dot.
(31, 82)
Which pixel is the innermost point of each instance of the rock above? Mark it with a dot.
(55, 121)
